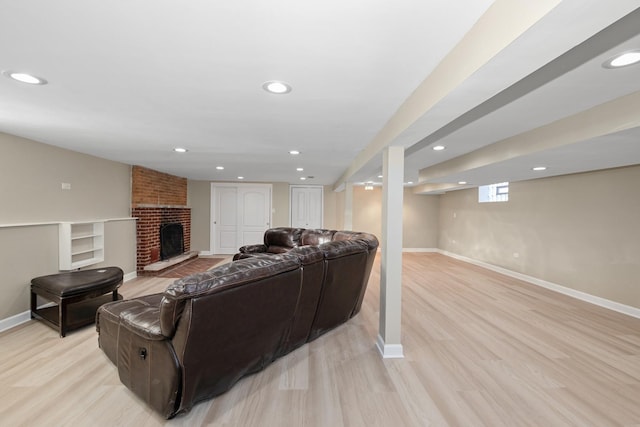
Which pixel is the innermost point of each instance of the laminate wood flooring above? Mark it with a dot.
(481, 349)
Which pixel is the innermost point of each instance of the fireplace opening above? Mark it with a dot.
(171, 240)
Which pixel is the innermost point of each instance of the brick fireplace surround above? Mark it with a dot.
(156, 199)
(148, 230)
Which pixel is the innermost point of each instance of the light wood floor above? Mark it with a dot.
(481, 350)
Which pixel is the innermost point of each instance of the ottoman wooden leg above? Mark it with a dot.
(62, 318)
(34, 304)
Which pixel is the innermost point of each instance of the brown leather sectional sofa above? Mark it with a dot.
(206, 331)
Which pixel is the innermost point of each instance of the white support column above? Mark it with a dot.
(391, 263)
(348, 206)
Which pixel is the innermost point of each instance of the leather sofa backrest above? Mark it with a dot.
(344, 268)
(370, 239)
(312, 260)
(234, 322)
(217, 280)
(316, 237)
(372, 243)
(282, 239)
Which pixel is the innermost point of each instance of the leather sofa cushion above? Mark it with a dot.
(79, 282)
(144, 322)
(316, 237)
(280, 238)
(337, 249)
(369, 239)
(275, 249)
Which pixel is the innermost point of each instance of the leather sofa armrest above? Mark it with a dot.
(253, 249)
(144, 322)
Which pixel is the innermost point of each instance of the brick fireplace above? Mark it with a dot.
(157, 199)
(150, 219)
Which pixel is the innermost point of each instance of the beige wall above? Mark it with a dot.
(32, 174)
(579, 231)
(367, 210)
(199, 200)
(421, 221)
(280, 200)
(420, 216)
(330, 209)
(25, 253)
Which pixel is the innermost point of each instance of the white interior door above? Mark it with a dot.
(254, 208)
(241, 213)
(225, 220)
(306, 206)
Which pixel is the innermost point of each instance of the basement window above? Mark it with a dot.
(494, 192)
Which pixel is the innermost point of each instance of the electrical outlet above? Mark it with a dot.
(66, 186)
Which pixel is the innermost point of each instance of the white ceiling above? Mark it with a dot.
(129, 81)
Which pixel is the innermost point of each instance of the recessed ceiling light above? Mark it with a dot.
(438, 148)
(622, 60)
(462, 182)
(294, 152)
(302, 178)
(241, 177)
(539, 168)
(299, 169)
(276, 87)
(180, 150)
(379, 176)
(25, 78)
(220, 168)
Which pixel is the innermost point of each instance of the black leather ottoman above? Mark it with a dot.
(78, 295)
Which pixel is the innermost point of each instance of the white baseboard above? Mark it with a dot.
(420, 250)
(389, 351)
(205, 253)
(13, 321)
(25, 316)
(583, 296)
(129, 276)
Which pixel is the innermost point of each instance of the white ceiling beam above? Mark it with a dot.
(501, 24)
(613, 116)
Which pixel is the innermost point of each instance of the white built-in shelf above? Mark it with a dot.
(81, 244)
